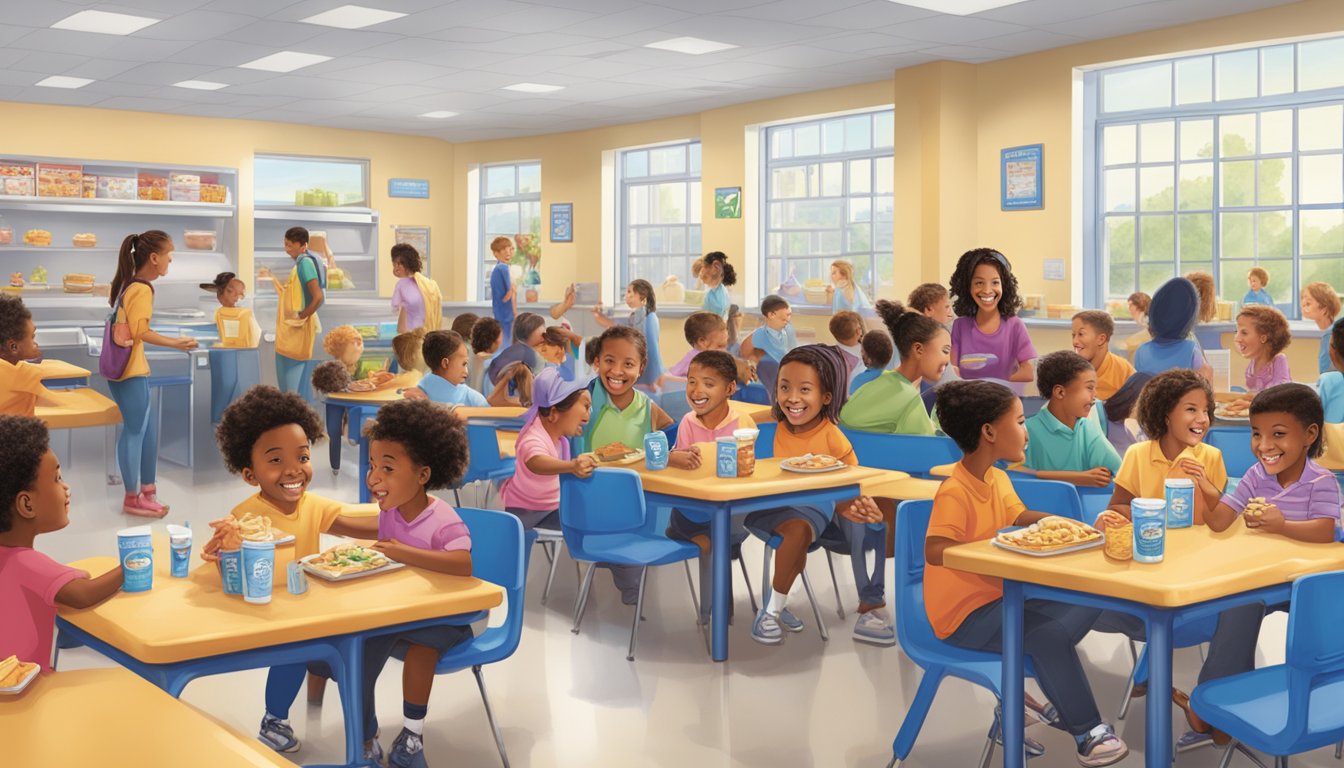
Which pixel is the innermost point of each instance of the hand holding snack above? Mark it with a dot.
(1110, 519)
(1263, 516)
(688, 458)
(583, 466)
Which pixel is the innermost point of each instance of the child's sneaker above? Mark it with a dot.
(790, 622)
(766, 629)
(408, 751)
(373, 753)
(278, 734)
(1101, 747)
(874, 628)
(1193, 739)
(140, 506)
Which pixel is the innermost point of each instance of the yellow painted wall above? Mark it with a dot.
(110, 135)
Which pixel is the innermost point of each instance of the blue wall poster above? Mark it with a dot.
(1020, 187)
(418, 188)
(562, 222)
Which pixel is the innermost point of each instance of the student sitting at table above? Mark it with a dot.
(1320, 304)
(414, 447)
(1065, 444)
(703, 330)
(710, 381)
(846, 326)
(487, 336)
(446, 355)
(933, 300)
(1262, 335)
(776, 336)
(464, 322)
(877, 354)
(561, 406)
(809, 395)
(891, 402)
(965, 609)
(1172, 314)
(266, 437)
(1331, 385)
(1092, 332)
(527, 330)
(21, 385)
(34, 499)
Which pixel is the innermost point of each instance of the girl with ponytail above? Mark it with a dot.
(143, 259)
(891, 402)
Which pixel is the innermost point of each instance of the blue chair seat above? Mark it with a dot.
(1257, 703)
(637, 549)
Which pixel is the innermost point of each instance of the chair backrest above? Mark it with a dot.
(499, 556)
(483, 443)
(1315, 644)
(916, 454)
(767, 372)
(610, 501)
(1053, 496)
(765, 441)
(1094, 500)
(1235, 443)
(673, 402)
(912, 620)
(753, 392)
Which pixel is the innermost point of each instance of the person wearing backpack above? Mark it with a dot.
(143, 259)
(296, 323)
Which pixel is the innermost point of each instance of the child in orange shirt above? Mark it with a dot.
(809, 394)
(986, 421)
(1092, 332)
(20, 382)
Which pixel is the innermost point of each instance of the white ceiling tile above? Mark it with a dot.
(742, 31)
(394, 73)
(952, 30)
(258, 8)
(8, 56)
(39, 15)
(343, 42)
(868, 41)
(279, 35)
(196, 25)
(461, 13)
(630, 20)
(48, 62)
(738, 71)
(528, 106)
(86, 43)
(157, 8)
(539, 64)
(332, 107)
(144, 49)
(221, 53)
(536, 19)
(304, 88)
(162, 74)
(406, 93)
(1033, 12)
(473, 81)
(796, 10)
(1029, 41)
(550, 42)
(797, 56)
(868, 15)
(966, 53)
(469, 35)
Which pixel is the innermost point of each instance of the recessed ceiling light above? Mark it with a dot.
(285, 61)
(957, 7)
(62, 81)
(691, 45)
(439, 114)
(104, 23)
(201, 85)
(533, 87)
(352, 17)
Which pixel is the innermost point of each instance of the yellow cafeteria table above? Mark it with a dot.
(700, 492)
(75, 408)
(1203, 573)
(187, 627)
(88, 716)
(59, 373)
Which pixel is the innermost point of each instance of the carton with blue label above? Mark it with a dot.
(135, 549)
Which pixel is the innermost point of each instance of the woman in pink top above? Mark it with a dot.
(33, 500)
(561, 405)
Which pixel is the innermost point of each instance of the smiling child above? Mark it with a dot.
(989, 340)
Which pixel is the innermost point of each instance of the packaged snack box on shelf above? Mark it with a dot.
(16, 179)
(199, 240)
(37, 237)
(6, 235)
(55, 180)
(116, 187)
(85, 240)
(214, 193)
(184, 193)
(152, 186)
(184, 178)
(90, 187)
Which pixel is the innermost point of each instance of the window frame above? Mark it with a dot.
(694, 202)
(487, 259)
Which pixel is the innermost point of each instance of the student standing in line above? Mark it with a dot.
(296, 323)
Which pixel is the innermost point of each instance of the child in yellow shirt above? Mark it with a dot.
(986, 421)
(267, 436)
(20, 382)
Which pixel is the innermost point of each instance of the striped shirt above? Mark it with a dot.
(1315, 495)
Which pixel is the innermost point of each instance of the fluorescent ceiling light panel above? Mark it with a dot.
(104, 23)
(439, 114)
(533, 88)
(285, 61)
(352, 17)
(692, 45)
(62, 81)
(201, 85)
(957, 7)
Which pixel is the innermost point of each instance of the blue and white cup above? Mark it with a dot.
(135, 548)
(179, 542)
(258, 570)
(231, 571)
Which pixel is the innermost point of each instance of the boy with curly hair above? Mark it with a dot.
(35, 500)
(20, 382)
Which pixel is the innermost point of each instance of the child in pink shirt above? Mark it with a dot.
(34, 500)
(710, 382)
(561, 405)
(415, 446)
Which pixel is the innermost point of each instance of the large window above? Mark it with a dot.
(828, 196)
(1218, 163)
(510, 206)
(658, 229)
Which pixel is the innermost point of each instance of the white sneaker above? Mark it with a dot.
(1101, 747)
(766, 629)
(875, 628)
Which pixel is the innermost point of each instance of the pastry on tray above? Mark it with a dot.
(1050, 534)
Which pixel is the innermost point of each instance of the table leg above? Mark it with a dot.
(1014, 747)
(721, 546)
(1157, 751)
(351, 648)
(334, 413)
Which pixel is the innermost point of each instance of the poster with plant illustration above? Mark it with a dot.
(728, 203)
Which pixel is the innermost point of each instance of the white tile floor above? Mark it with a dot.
(566, 700)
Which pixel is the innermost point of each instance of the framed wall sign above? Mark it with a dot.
(1020, 176)
(562, 222)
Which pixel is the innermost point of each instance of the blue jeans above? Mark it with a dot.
(295, 376)
(138, 443)
(862, 539)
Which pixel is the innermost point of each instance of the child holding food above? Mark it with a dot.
(809, 393)
(561, 405)
(34, 499)
(414, 447)
(21, 385)
(1065, 443)
(267, 437)
(973, 504)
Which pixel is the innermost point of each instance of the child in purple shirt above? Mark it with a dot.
(989, 340)
(415, 446)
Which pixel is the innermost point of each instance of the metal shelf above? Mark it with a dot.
(326, 215)
(95, 249)
(97, 205)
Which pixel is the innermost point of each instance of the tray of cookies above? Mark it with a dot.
(1050, 536)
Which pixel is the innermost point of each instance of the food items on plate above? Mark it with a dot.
(344, 559)
(1050, 534)
(59, 180)
(37, 237)
(77, 282)
(1237, 409)
(85, 240)
(199, 240)
(614, 452)
(13, 671)
(812, 461)
(1119, 542)
(230, 532)
(1255, 508)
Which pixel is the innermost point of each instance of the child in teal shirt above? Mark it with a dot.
(1063, 442)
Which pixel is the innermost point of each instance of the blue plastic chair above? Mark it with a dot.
(1053, 496)
(1292, 707)
(765, 441)
(1235, 443)
(753, 392)
(937, 658)
(486, 463)
(916, 454)
(498, 556)
(605, 520)
(1095, 501)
